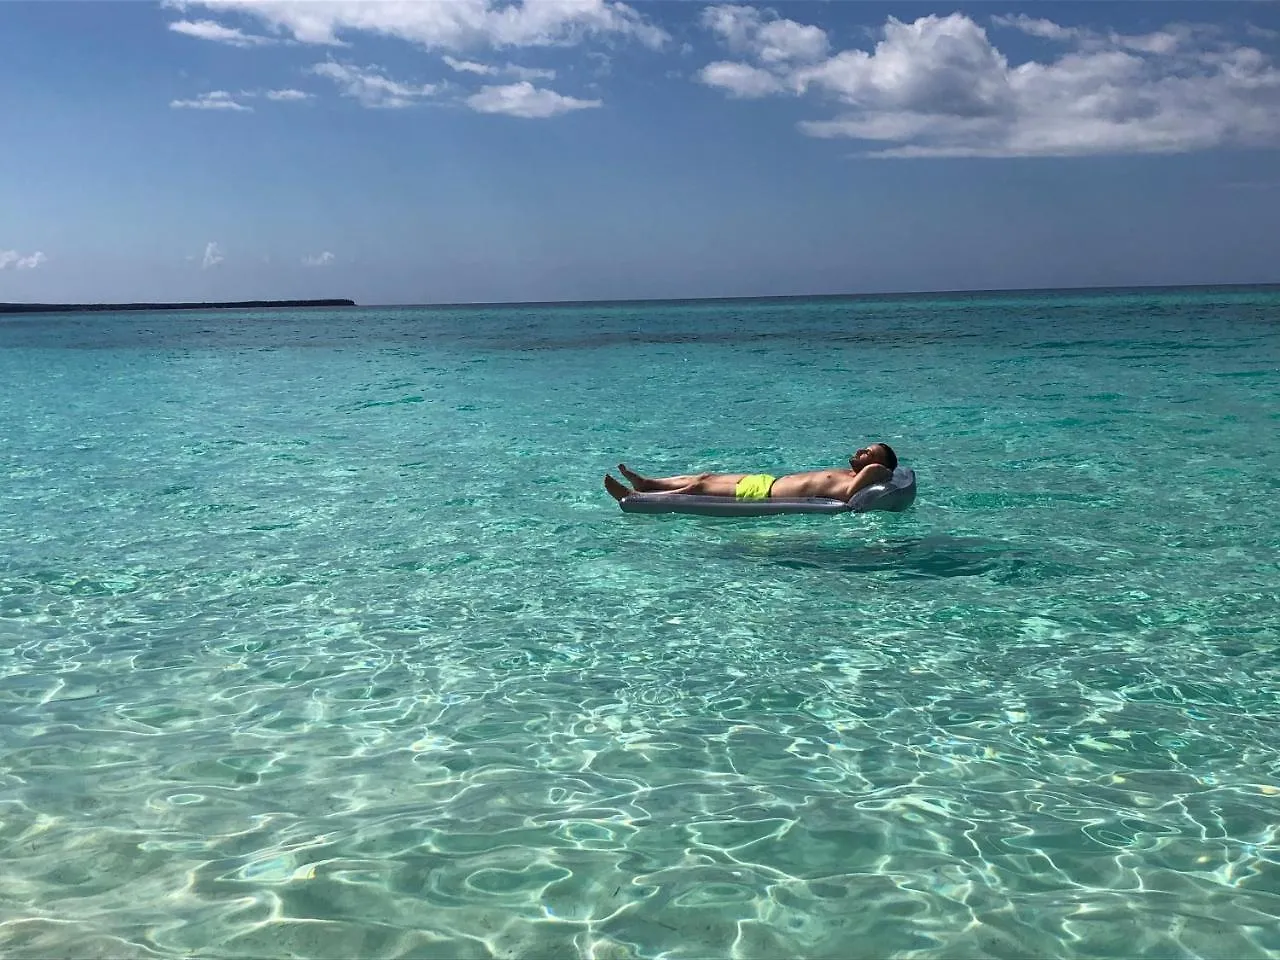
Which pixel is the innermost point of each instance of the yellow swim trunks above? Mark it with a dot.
(755, 486)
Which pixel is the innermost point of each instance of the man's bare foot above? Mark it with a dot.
(616, 490)
(637, 481)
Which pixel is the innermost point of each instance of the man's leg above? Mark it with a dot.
(705, 484)
(620, 490)
(679, 483)
(616, 490)
(713, 485)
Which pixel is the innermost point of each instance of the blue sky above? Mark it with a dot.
(479, 150)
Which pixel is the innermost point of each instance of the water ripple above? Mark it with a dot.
(336, 648)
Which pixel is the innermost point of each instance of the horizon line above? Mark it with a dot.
(977, 291)
(12, 307)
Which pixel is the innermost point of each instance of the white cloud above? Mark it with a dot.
(214, 100)
(523, 99)
(12, 258)
(1164, 41)
(733, 24)
(287, 95)
(212, 30)
(1036, 27)
(469, 66)
(447, 24)
(740, 79)
(765, 36)
(939, 87)
(372, 87)
(489, 70)
(212, 256)
(319, 260)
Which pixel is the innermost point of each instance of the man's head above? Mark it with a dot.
(880, 453)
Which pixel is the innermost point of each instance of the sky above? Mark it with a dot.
(435, 151)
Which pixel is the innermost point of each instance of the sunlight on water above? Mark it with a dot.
(319, 637)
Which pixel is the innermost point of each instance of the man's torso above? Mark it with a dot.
(815, 483)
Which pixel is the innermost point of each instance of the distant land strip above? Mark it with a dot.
(238, 304)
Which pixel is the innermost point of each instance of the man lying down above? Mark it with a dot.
(870, 465)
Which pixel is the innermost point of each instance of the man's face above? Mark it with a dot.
(863, 458)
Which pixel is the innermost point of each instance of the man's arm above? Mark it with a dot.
(868, 476)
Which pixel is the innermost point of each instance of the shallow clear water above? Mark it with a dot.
(320, 638)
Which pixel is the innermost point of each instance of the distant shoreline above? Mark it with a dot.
(126, 307)
(977, 292)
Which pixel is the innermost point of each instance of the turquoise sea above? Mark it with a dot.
(320, 638)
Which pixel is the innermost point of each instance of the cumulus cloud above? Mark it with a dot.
(764, 35)
(372, 87)
(214, 100)
(776, 43)
(489, 70)
(287, 95)
(212, 256)
(319, 260)
(938, 86)
(446, 24)
(523, 99)
(212, 30)
(19, 261)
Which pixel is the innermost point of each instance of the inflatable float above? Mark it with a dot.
(895, 495)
